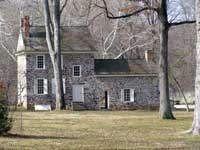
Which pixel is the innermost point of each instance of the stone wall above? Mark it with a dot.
(146, 94)
(146, 88)
(87, 79)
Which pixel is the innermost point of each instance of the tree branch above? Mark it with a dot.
(181, 23)
(63, 6)
(47, 25)
(111, 16)
(89, 22)
(135, 46)
(9, 53)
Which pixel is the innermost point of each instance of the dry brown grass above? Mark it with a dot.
(99, 130)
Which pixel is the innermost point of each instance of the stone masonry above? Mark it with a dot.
(103, 81)
(146, 87)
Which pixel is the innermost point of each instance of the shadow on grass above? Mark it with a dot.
(43, 119)
(19, 136)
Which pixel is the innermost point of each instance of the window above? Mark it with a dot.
(127, 95)
(40, 62)
(40, 89)
(53, 89)
(40, 86)
(77, 71)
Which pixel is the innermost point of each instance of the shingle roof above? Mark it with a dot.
(123, 66)
(73, 39)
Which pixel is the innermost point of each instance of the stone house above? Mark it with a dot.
(89, 83)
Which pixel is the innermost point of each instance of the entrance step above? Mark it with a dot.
(78, 106)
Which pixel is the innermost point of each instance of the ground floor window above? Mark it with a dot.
(127, 95)
(40, 86)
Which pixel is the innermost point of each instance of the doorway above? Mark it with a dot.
(78, 93)
(105, 101)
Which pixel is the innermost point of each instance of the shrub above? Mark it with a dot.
(5, 120)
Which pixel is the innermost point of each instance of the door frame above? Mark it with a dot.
(82, 92)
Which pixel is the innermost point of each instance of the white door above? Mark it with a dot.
(78, 93)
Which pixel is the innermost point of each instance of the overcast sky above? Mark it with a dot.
(180, 10)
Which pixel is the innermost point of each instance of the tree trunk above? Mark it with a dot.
(195, 129)
(181, 91)
(165, 107)
(60, 102)
(54, 47)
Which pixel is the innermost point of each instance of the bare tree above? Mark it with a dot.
(52, 26)
(10, 16)
(195, 129)
(161, 8)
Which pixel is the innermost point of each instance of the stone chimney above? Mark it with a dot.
(25, 25)
(149, 55)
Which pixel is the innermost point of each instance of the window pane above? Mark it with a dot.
(76, 72)
(40, 86)
(127, 95)
(40, 62)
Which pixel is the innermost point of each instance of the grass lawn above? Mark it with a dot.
(99, 130)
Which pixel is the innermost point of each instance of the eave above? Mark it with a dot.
(126, 75)
(46, 52)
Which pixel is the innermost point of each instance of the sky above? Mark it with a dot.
(180, 10)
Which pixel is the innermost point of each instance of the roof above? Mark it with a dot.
(124, 67)
(73, 39)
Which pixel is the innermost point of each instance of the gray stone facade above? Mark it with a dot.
(101, 83)
(87, 79)
(145, 87)
(146, 94)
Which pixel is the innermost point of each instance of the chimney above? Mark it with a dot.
(25, 25)
(2, 87)
(149, 55)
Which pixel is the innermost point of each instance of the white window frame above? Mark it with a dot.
(44, 66)
(53, 84)
(80, 71)
(45, 86)
(132, 95)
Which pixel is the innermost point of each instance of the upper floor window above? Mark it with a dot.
(76, 71)
(40, 62)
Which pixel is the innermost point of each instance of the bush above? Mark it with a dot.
(5, 120)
